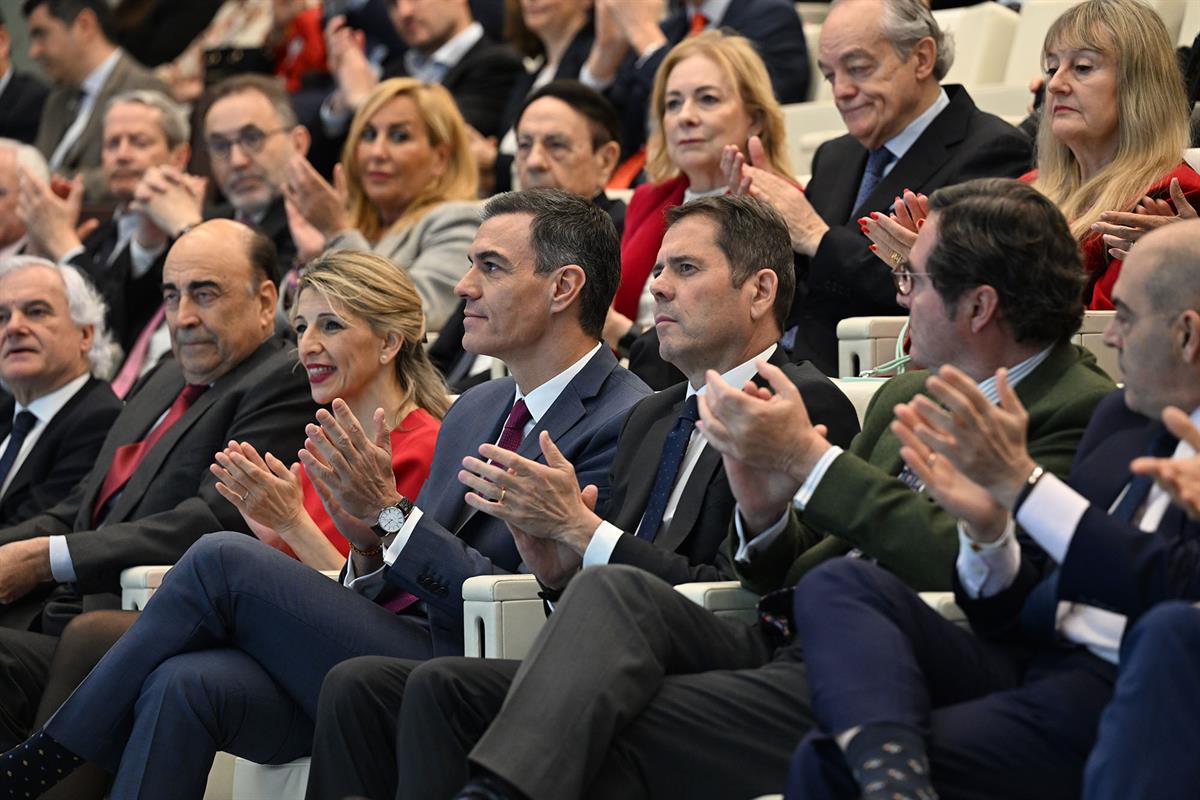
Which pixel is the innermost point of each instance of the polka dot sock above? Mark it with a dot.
(889, 763)
(35, 765)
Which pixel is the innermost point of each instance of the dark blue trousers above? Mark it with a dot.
(228, 655)
(1150, 733)
(1000, 722)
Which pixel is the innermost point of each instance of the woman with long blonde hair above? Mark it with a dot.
(711, 90)
(405, 188)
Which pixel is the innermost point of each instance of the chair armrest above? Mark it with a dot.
(138, 584)
(502, 615)
(943, 603)
(333, 574)
(723, 598)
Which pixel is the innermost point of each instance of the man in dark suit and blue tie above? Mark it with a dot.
(249, 634)
(915, 704)
(54, 353)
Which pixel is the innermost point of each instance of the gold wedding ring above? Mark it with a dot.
(932, 458)
(503, 491)
(895, 258)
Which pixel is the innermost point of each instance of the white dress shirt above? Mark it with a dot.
(606, 536)
(1051, 514)
(538, 401)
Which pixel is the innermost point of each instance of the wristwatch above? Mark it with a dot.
(391, 518)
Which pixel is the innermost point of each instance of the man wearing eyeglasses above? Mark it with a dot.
(250, 132)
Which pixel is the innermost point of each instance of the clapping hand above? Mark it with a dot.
(893, 235)
(264, 489)
(1178, 477)
(354, 467)
(754, 177)
(322, 206)
(1121, 229)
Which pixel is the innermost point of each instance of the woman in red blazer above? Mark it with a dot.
(711, 90)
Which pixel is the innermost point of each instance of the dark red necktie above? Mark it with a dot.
(514, 426)
(128, 456)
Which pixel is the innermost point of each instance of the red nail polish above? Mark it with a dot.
(874, 215)
(873, 248)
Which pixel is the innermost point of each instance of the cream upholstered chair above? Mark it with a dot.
(983, 37)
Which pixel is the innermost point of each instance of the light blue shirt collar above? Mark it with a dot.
(900, 144)
(433, 68)
(1015, 375)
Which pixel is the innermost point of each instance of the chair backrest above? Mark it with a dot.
(808, 125)
(1025, 57)
(983, 37)
(818, 87)
(1189, 26)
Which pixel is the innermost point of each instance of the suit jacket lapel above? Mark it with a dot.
(834, 199)
(464, 513)
(95, 121)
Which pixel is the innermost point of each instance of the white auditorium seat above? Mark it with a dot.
(818, 87)
(983, 37)
(866, 342)
(1189, 26)
(1003, 100)
(1025, 58)
(859, 391)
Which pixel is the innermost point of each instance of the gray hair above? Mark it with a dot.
(85, 305)
(29, 157)
(906, 22)
(175, 124)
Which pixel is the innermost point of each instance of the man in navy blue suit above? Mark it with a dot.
(915, 705)
(231, 652)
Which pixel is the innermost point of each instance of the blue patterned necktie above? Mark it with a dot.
(668, 469)
(1161, 446)
(22, 425)
(877, 162)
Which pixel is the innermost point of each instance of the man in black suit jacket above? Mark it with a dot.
(631, 43)
(1014, 712)
(147, 507)
(723, 291)
(52, 344)
(123, 256)
(924, 137)
(445, 46)
(21, 96)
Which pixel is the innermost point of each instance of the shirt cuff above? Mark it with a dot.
(600, 548)
(141, 258)
(644, 57)
(592, 82)
(746, 550)
(363, 584)
(1050, 514)
(74, 252)
(987, 568)
(61, 567)
(809, 487)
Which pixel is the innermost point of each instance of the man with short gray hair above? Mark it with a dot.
(885, 60)
(54, 354)
(144, 131)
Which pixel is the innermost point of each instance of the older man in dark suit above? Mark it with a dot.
(72, 40)
(54, 353)
(906, 132)
(233, 614)
(150, 495)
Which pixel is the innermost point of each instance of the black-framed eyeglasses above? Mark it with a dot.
(902, 277)
(250, 139)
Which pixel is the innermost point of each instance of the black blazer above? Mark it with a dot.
(690, 549)
(170, 501)
(772, 26)
(132, 301)
(1109, 564)
(22, 102)
(62, 455)
(481, 83)
(844, 279)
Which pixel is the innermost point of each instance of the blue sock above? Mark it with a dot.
(33, 766)
(889, 763)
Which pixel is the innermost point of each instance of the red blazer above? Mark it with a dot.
(413, 442)
(1102, 269)
(302, 50)
(645, 225)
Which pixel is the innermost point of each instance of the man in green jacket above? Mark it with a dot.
(976, 301)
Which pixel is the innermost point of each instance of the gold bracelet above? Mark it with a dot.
(374, 551)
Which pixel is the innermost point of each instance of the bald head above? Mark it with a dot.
(219, 295)
(1169, 261)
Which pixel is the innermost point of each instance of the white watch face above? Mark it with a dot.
(391, 519)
